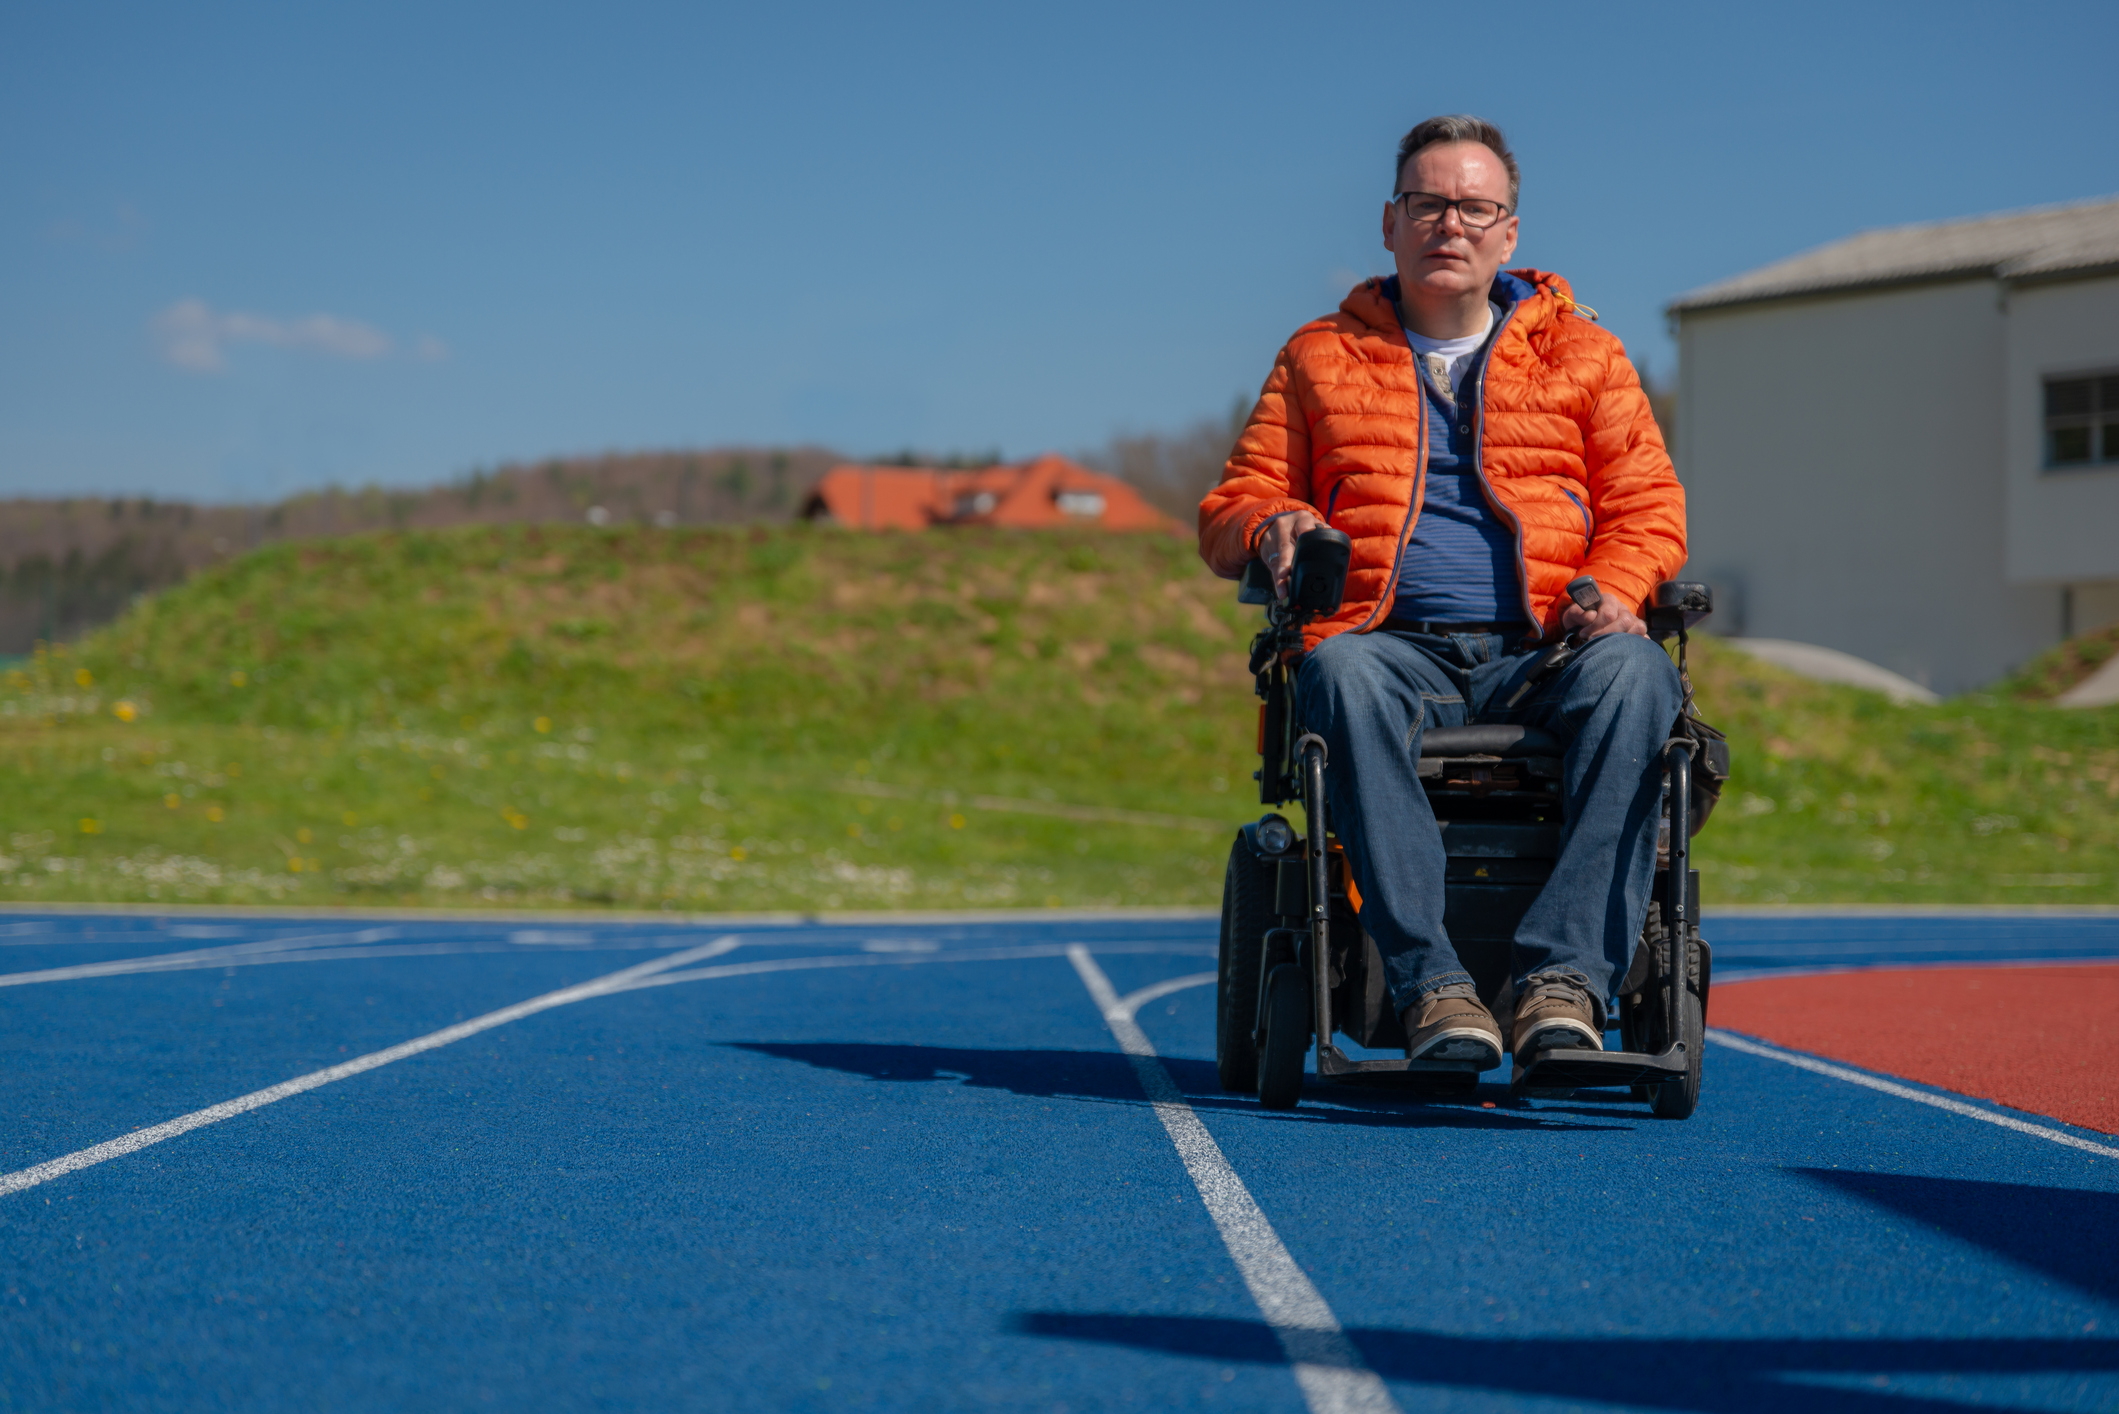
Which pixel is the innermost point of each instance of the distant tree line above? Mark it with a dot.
(71, 563)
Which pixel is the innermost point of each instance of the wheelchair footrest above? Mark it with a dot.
(1331, 1061)
(1560, 1069)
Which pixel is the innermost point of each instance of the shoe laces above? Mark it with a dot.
(1562, 988)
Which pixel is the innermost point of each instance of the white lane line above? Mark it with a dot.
(646, 974)
(1132, 1002)
(828, 961)
(266, 950)
(141, 1138)
(1906, 1092)
(324, 952)
(1333, 1377)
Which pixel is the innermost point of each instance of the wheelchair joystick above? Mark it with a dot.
(1588, 598)
(1317, 579)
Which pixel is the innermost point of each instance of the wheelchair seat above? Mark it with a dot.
(1492, 739)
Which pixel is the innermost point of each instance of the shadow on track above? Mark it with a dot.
(1718, 1376)
(1108, 1077)
(2068, 1233)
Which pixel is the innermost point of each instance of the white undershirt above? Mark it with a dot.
(1457, 351)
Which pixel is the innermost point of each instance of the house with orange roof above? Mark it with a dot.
(1048, 491)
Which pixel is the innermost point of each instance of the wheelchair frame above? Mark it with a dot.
(1318, 974)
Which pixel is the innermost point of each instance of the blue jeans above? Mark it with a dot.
(1372, 695)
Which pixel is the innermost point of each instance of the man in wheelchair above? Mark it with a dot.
(1490, 453)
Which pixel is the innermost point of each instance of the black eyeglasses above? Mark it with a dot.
(1476, 213)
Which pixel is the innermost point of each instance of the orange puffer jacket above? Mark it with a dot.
(1570, 453)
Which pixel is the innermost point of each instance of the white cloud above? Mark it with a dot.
(194, 336)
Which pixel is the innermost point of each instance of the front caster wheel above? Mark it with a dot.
(1246, 914)
(1680, 1098)
(1286, 1044)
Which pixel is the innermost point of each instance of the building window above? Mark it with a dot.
(1079, 503)
(2081, 421)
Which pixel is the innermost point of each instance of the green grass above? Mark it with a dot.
(2058, 669)
(807, 718)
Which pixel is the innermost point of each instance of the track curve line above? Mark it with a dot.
(1905, 1092)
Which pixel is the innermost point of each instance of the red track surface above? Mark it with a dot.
(2035, 1038)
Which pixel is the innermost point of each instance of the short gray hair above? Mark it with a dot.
(1459, 127)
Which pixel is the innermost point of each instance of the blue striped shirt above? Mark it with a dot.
(1460, 566)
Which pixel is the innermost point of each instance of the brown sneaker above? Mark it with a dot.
(1450, 1024)
(1555, 1012)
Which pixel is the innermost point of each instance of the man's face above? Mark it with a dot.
(1446, 258)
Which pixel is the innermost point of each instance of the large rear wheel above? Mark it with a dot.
(1246, 914)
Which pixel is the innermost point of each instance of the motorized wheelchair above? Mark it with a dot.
(1297, 966)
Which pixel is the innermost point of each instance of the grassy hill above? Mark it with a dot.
(792, 717)
(69, 565)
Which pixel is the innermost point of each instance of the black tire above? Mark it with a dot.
(1246, 914)
(1679, 1100)
(1287, 1037)
(1636, 1031)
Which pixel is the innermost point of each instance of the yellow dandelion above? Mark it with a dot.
(303, 834)
(350, 819)
(294, 864)
(84, 678)
(739, 854)
(543, 724)
(853, 831)
(238, 678)
(173, 800)
(956, 822)
(213, 813)
(124, 710)
(91, 826)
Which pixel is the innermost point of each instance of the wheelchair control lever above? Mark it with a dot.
(1588, 598)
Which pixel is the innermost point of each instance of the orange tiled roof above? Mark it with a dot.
(1048, 491)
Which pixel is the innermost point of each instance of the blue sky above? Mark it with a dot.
(248, 250)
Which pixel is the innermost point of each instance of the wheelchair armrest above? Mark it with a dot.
(1676, 604)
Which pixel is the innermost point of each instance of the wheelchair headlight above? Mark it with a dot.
(1275, 835)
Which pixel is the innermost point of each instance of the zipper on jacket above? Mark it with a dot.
(1589, 532)
(1479, 467)
(1333, 499)
(1412, 513)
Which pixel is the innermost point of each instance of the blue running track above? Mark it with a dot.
(910, 1167)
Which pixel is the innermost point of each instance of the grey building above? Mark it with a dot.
(1905, 445)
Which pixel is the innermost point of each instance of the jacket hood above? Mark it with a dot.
(1542, 294)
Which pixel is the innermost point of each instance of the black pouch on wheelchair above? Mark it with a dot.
(1710, 755)
(1674, 608)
